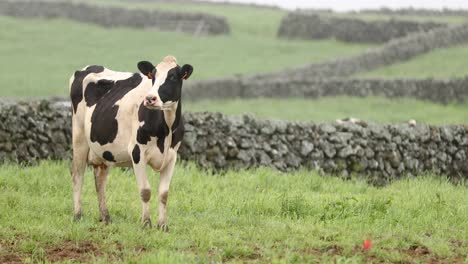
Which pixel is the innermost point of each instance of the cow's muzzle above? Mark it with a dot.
(152, 102)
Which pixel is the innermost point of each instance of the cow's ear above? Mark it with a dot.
(147, 68)
(185, 71)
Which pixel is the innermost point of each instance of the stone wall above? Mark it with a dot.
(394, 51)
(438, 91)
(41, 130)
(194, 23)
(313, 26)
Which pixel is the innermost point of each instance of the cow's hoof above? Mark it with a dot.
(106, 219)
(77, 217)
(163, 227)
(147, 223)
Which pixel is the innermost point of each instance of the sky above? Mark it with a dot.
(346, 5)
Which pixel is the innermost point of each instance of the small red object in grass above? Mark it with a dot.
(367, 244)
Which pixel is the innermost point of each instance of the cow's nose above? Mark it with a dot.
(151, 99)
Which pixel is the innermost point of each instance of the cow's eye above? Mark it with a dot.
(172, 78)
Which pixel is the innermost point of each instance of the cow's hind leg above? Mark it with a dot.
(79, 163)
(100, 178)
(139, 167)
(163, 192)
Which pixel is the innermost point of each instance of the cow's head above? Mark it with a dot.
(166, 79)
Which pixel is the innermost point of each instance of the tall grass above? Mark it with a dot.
(255, 215)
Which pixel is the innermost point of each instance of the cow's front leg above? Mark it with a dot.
(164, 184)
(139, 167)
(80, 157)
(100, 178)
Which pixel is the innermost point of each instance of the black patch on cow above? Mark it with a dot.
(155, 126)
(76, 90)
(136, 154)
(171, 89)
(186, 71)
(107, 155)
(95, 91)
(104, 126)
(178, 128)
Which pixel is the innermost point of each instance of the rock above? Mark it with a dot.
(327, 128)
(328, 150)
(446, 133)
(264, 159)
(245, 155)
(341, 137)
(306, 148)
(346, 152)
(267, 129)
(246, 143)
(189, 140)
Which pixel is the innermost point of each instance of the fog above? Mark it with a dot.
(346, 5)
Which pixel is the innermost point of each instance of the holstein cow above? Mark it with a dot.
(127, 119)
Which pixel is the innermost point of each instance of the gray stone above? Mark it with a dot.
(446, 133)
(246, 143)
(327, 128)
(306, 148)
(341, 137)
(346, 152)
(328, 150)
(245, 155)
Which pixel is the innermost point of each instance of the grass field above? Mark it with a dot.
(248, 216)
(440, 63)
(42, 54)
(375, 109)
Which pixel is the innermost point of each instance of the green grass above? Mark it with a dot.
(375, 109)
(40, 55)
(248, 216)
(440, 63)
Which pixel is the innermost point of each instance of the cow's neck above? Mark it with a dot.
(172, 117)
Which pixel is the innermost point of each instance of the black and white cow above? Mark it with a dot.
(127, 119)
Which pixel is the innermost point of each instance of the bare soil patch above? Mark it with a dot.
(69, 250)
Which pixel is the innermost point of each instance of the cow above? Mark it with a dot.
(127, 119)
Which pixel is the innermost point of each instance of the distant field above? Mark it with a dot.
(240, 15)
(259, 215)
(375, 109)
(40, 55)
(440, 63)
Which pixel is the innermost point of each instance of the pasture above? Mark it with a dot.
(61, 47)
(441, 64)
(258, 215)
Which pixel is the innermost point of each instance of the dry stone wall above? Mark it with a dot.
(438, 91)
(194, 23)
(41, 130)
(313, 26)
